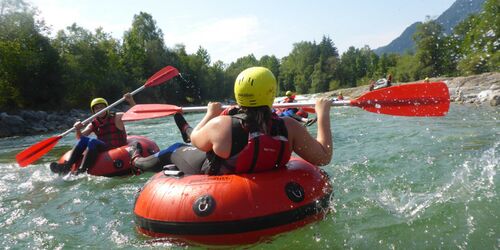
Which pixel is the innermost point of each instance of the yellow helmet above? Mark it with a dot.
(255, 87)
(289, 93)
(96, 101)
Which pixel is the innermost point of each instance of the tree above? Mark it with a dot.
(273, 64)
(203, 55)
(91, 65)
(477, 38)
(319, 78)
(143, 49)
(327, 48)
(348, 67)
(29, 66)
(405, 69)
(326, 68)
(144, 53)
(14, 6)
(270, 62)
(430, 44)
(298, 67)
(221, 89)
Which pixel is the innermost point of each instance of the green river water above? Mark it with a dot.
(400, 183)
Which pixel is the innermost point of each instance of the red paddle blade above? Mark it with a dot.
(149, 111)
(309, 109)
(417, 99)
(33, 153)
(161, 76)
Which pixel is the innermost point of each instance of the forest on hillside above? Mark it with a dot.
(65, 71)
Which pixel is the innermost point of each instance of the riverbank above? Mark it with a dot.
(32, 122)
(483, 89)
(29, 122)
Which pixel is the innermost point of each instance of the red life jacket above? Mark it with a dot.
(254, 151)
(302, 113)
(106, 131)
(232, 110)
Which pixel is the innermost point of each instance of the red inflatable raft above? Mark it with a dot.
(116, 162)
(232, 209)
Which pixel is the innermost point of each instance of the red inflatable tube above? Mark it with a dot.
(232, 209)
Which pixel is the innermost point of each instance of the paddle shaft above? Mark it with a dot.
(34, 152)
(86, 121)
(277, 105)
(416, 99)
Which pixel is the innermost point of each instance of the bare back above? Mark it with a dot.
(216, 135)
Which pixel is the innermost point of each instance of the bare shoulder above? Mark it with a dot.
(297, 133)
(220, 121)
(219, 129)
(292, 125)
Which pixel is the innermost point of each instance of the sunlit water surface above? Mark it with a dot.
(400, 183)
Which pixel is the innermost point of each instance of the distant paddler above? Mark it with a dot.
(110, 132)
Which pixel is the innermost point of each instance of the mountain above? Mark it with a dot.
(458, 11)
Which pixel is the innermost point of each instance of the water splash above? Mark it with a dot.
(473, 179)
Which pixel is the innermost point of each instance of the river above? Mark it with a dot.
(400, 183)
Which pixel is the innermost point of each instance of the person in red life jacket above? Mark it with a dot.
(110, 132)
(340, 97)
(290, 97)
(296, 113)
(302, 113)
(248, 138)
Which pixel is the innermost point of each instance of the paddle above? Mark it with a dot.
(417, 99)
(309, 109)
(33, 153)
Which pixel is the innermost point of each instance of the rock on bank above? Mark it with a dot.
(29, 122)
(478, 89)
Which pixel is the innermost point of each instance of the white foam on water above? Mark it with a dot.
(474, 179)
(39, 221)
(116, 236)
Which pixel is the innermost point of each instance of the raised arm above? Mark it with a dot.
(213, 132)
(130, 99)
(316, 151)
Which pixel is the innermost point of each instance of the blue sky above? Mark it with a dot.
(232, 29)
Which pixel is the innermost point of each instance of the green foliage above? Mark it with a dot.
(309, 67)
(478, 41)
(270, 62)
(405, 70)
(357, 65)
(13, 6)
(91, 65)
(334, 84)
(77, 65)
(143, 48)
(429, 42)
(8, 92)
(29, 67)
(349, 69)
